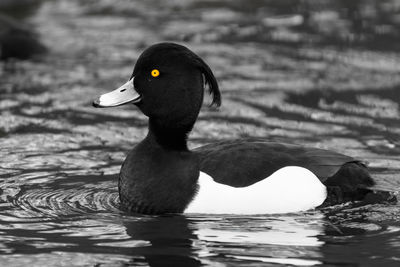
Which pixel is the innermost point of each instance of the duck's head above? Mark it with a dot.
(167, 84)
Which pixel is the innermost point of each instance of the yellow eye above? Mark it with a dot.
(155, 73)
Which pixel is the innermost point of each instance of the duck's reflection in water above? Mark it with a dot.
(198, 240)
(170, 238)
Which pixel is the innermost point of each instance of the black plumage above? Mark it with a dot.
(160, 174)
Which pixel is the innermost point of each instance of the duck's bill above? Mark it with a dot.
(123, 95)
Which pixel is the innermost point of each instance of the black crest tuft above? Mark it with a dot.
(210, 81)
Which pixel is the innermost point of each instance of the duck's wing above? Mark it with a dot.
(244, 162)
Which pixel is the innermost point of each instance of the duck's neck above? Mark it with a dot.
(159, 175)
(167, 136)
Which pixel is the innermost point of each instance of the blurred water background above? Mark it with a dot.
(318, 73)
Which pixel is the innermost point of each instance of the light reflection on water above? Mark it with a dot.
(323, 74)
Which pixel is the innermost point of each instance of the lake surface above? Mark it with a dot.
(317, 73)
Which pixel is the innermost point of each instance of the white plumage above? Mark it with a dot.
(289, 189)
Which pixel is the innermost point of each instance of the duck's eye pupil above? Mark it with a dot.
(155, 73)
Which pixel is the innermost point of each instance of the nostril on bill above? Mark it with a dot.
(122, 90)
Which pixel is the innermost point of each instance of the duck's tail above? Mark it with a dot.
(352, 182)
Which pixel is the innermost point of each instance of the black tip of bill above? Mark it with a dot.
(96, 104)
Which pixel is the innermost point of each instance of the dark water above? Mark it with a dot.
(318, 73)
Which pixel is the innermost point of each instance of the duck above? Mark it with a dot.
(161, 175)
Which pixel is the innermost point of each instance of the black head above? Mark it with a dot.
(167, 84)
(169, 79)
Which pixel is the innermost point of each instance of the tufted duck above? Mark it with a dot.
(251, 176)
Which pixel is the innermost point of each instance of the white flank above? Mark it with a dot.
(290, 189)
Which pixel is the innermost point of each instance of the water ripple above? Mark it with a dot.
(50, 202)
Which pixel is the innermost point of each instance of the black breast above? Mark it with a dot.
(156, 181)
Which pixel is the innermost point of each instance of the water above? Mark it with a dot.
(317, 73)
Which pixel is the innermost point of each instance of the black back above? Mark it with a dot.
(244, 162)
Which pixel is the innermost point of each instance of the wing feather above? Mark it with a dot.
(241, 163)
